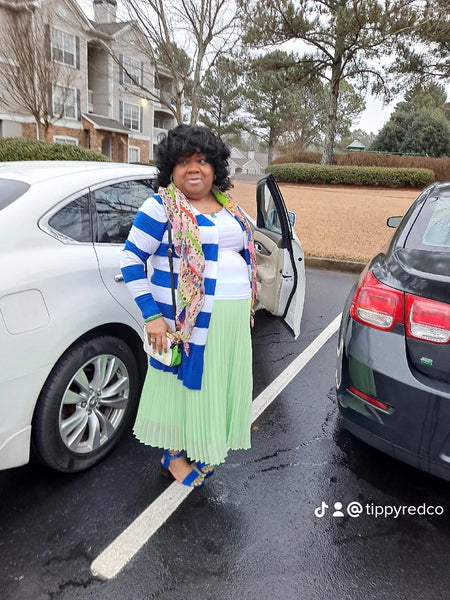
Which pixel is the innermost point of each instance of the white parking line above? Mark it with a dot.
(112, 560)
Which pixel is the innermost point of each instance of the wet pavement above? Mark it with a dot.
(254, 531)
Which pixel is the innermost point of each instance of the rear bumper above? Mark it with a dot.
(406, 456)
(415, 428)
(17, 402)
(15, 451)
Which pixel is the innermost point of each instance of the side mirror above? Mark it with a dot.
(292, 217)
(394, 221)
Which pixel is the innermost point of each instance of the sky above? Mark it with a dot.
(371, 120)
(375, 115)
(87, 6)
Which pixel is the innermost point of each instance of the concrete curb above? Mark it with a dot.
(333, 264)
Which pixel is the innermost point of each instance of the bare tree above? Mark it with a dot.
(31, 81)
(185, 37)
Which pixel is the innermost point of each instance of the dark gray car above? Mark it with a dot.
(393, 373)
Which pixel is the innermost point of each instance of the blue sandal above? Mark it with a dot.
(205, 469)
(193, 479)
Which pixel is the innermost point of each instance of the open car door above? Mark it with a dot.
(279, 256)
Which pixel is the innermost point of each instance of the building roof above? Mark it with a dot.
(262, 158)
(357, 145)
(106, 124)
(236, 153)
(240, 162)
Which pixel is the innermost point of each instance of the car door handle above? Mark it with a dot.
(118, 278)
(261, 250)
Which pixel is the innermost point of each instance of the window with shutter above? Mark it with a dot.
(65, 102)
(64, 47)
(131, 71)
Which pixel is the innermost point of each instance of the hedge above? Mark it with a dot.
(367, 176)
(440, 166)
(27, 149)
(298, 156)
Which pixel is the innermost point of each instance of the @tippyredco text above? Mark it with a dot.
(356, 509)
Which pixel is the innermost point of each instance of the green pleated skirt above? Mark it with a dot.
(206, 423)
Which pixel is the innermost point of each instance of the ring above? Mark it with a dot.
(153, 339)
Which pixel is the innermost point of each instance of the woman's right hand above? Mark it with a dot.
(157, 334)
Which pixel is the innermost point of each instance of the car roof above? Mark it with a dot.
(442, 188)
(32, 172)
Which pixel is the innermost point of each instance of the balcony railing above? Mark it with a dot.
(157, 132)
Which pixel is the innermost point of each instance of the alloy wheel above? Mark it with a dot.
(94, 403)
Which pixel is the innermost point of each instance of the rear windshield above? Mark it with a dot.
(10, 190)
(431, 231)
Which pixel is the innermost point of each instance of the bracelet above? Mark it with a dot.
(148, 319)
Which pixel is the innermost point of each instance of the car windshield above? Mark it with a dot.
(10, 190)
(431, 231)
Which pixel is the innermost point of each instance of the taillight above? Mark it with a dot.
(380, 306)
(427, 320)
(376, 304)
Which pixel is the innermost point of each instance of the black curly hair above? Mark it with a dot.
(185, 140)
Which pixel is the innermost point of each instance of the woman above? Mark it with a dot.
(202, 407)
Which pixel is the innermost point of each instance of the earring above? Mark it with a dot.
(171, 178)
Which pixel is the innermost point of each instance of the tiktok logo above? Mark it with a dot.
(320, 510)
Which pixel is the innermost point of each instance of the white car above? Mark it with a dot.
(71, 355)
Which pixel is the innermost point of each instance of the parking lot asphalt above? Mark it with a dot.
(258, 530)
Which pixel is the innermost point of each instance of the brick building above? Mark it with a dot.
(94, 98)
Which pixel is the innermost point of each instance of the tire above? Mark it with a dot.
(86, 405)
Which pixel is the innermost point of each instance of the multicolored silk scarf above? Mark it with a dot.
(188, 246)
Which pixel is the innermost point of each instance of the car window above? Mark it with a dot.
(269, 213)
(432, 228)
(437, 231)
(116, 206)
(73, 220)
(10, 190)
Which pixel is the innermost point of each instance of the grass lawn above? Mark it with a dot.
(347, 223)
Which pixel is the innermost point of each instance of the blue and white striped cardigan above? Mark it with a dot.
(148, 239)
